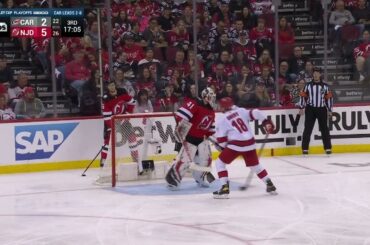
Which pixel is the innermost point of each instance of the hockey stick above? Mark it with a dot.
(249, 178)
(88, 166)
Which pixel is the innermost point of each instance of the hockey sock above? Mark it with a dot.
(223, 175)
(260, 171)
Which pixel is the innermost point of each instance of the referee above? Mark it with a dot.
(316, 100)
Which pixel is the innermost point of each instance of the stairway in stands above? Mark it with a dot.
(37, 78)
(309, 35)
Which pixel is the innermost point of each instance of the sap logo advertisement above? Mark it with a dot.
(40, 141)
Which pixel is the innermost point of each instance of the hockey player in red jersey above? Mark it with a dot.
(235, 138)
(195, 123)
(117, 101)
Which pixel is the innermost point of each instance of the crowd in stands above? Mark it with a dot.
(154, 59)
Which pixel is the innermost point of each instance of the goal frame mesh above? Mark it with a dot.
(169, 115)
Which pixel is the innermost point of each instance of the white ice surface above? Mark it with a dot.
(322, 200)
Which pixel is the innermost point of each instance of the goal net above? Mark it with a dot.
(142, 146)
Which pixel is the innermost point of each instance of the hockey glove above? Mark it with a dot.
(268, 126)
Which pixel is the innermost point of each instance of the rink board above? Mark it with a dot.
(72, 143)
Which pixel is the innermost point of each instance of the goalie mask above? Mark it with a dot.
(209, 95)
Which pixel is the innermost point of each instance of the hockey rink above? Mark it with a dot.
(322, 200)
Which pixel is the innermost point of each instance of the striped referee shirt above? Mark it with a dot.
(316, 94)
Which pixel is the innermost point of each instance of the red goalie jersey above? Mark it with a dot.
(200, 115)
(120, 103)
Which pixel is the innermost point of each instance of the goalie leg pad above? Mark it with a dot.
(172, 178)
(203, 158)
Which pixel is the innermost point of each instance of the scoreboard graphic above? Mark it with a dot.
(41, 23)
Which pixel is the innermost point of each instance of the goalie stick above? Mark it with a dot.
(249, 178)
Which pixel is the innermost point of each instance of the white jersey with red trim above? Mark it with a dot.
(233, 129)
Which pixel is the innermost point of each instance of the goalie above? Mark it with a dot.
(195, 123)
(117, 101)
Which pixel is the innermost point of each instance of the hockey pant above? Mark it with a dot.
(200, 155)
(250, 158)
(127, 134)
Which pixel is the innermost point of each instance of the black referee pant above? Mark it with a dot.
(321, 114)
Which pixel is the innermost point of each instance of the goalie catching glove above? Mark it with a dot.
(269, 126)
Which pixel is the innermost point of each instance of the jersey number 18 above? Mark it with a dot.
(239, 124)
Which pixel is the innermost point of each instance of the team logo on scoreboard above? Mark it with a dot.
(16, 22)
(15, 32)
(3, 27)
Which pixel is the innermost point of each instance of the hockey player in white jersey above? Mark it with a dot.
(235, 138)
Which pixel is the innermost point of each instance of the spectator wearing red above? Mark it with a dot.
(264, 60)
(140, 18)
(262, 7)
(149, 8)
(362, 56)
(134, 52)
(286, 38)
(262, 36)
(179, 64)
(286, 98)
(77, 72)
(179, 36)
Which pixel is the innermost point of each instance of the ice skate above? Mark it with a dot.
(223, 193)
(270, 188)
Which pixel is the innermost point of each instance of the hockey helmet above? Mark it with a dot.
(209, 95)
(226, 103)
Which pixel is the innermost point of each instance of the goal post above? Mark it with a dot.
(142, 147)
